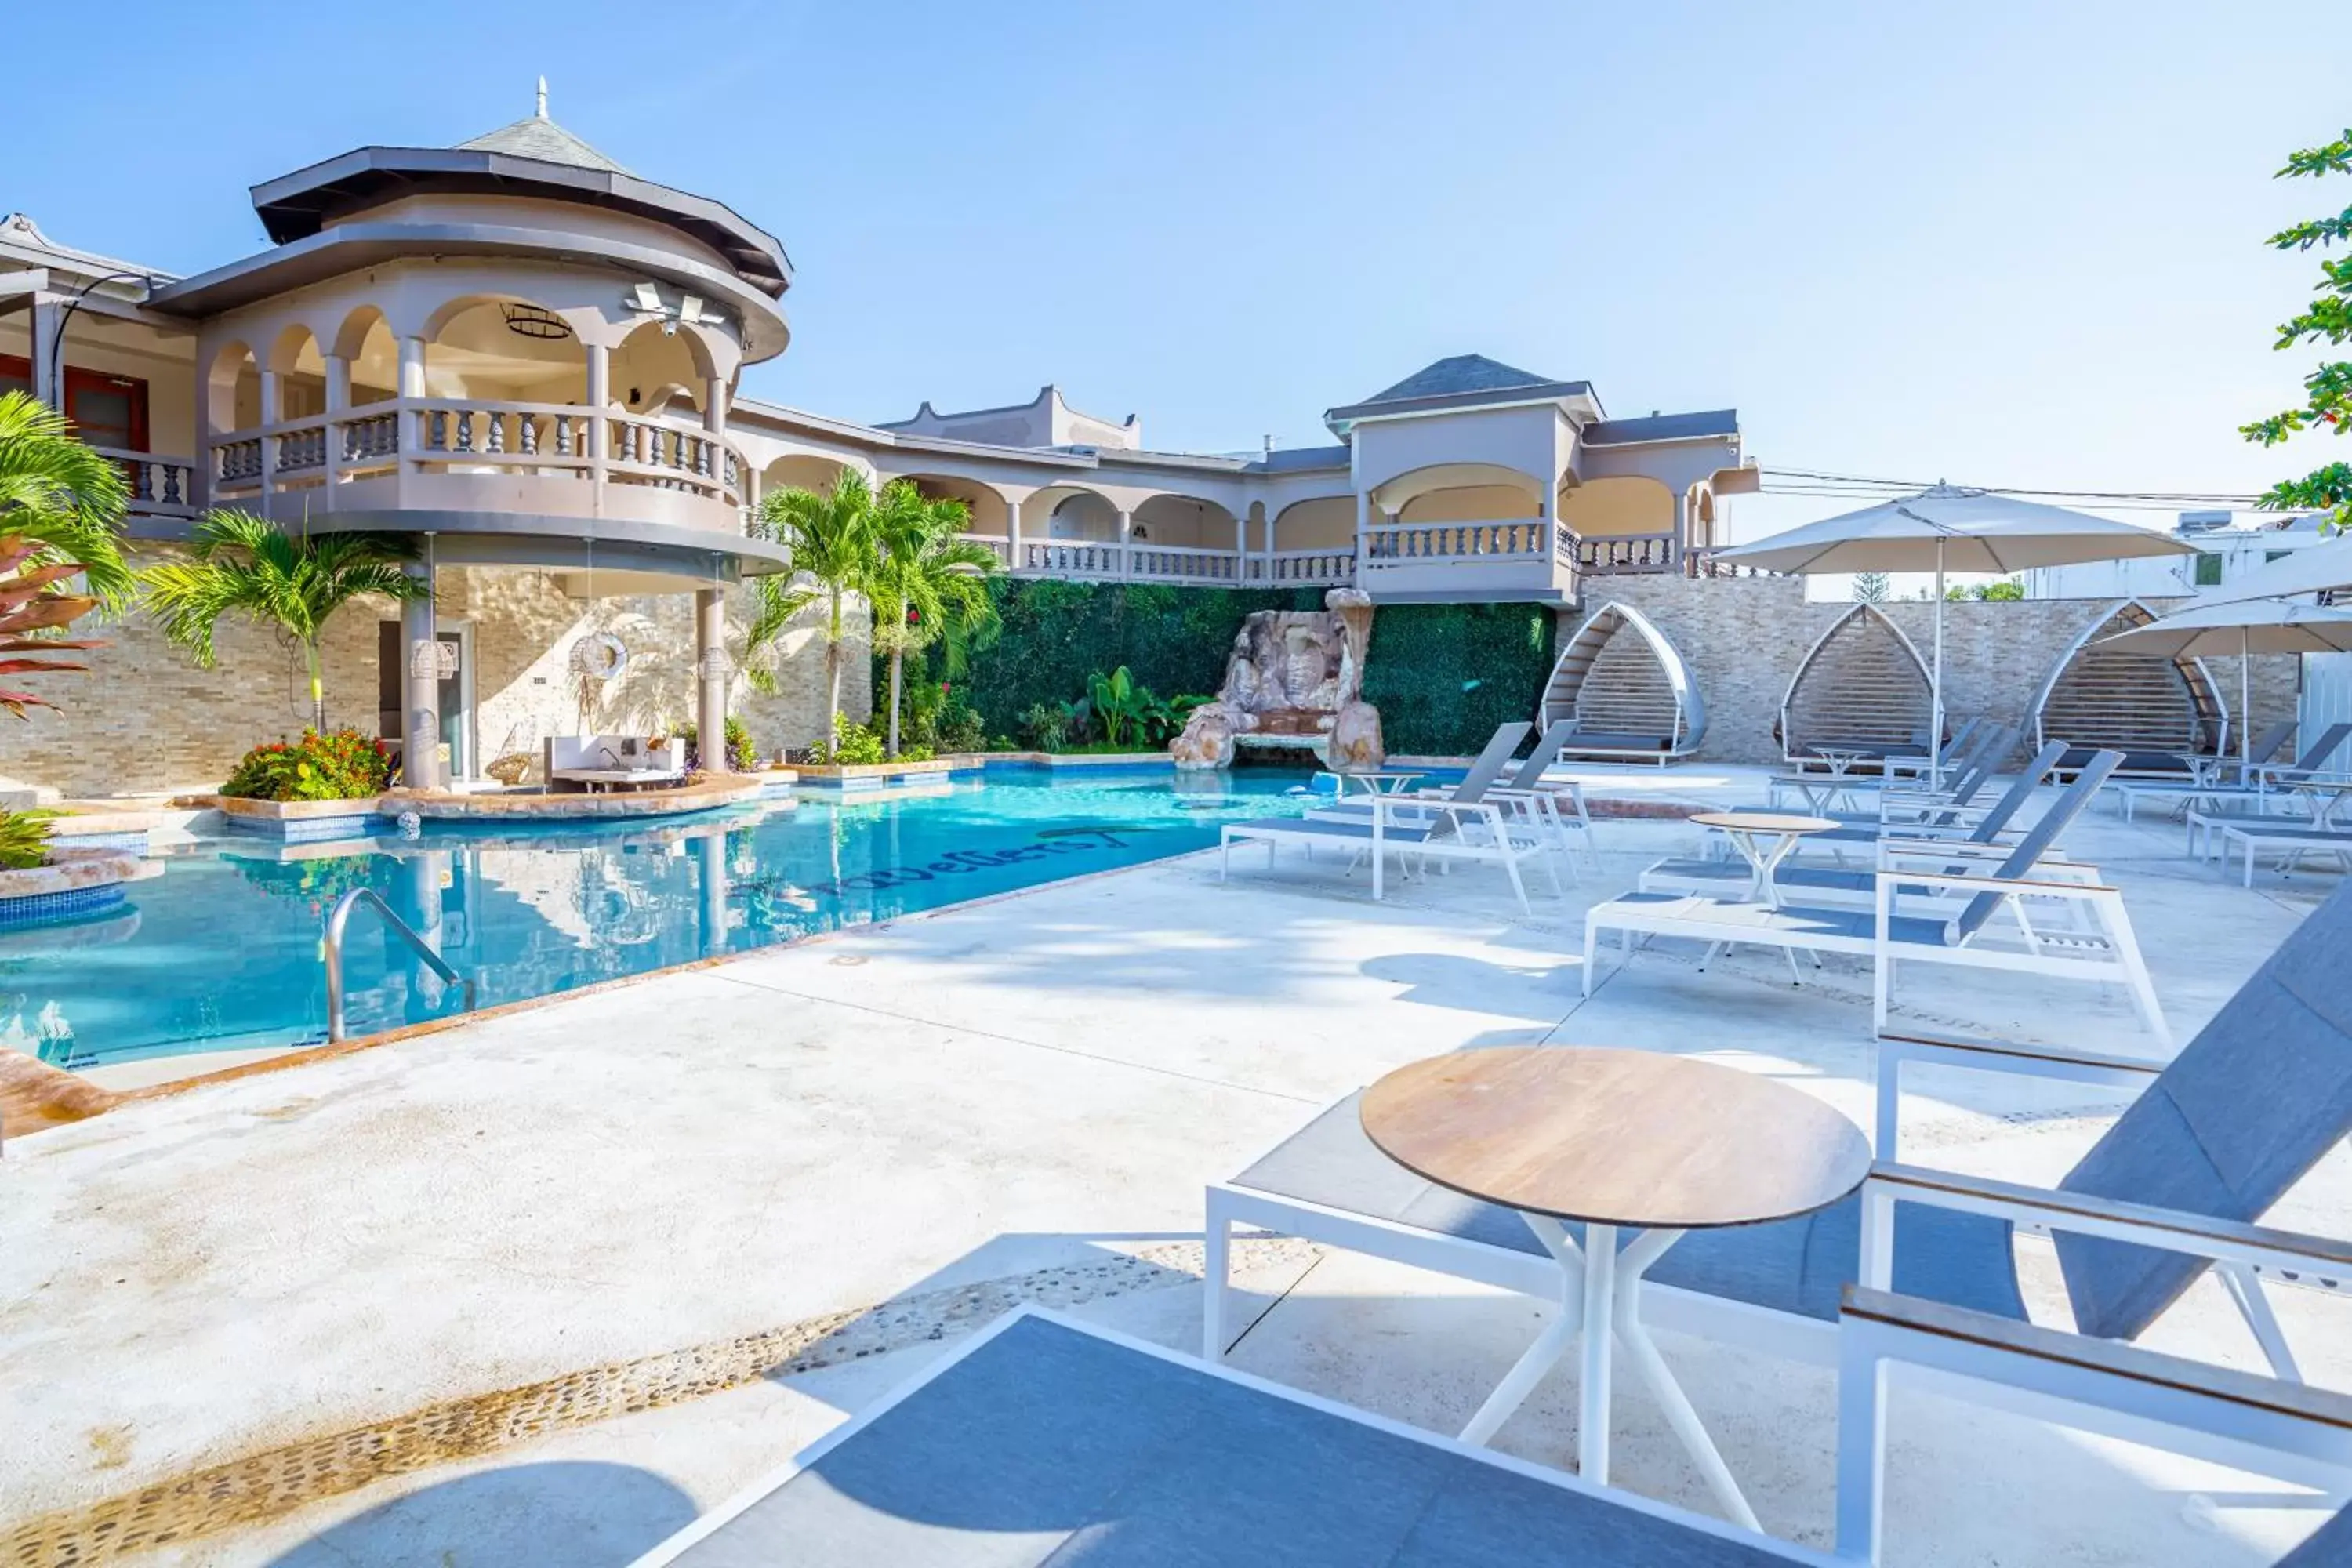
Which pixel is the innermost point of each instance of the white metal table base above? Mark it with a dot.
(1761, 864)
(1600, 1298)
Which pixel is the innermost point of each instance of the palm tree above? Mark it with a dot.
(58, 493)
(245, 567)
(929, 586)
(61, 508)
(836, 541)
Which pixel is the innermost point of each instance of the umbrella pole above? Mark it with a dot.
(1935, 687)
(2245, 709)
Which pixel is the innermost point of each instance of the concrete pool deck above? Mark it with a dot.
(1020, 1100)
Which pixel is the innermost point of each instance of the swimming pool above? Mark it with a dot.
(224, 951)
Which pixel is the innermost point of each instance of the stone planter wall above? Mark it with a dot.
(75, 882)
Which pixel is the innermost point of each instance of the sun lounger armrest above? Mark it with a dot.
(2082, 1213)
(1914, 1316)
(2047, 1062)
(1965, 884)
(1944, 850)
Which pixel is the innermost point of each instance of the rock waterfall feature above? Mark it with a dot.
(1295, 680)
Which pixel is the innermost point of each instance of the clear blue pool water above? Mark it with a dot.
(223, 949)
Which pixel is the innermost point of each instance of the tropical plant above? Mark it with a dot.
(290, 583)
(836, 541)
(1045, 726)
(24, 839)
(340, 765)
(929, 586)
(1119, 703)
(853, 745)
(57, 492)
(61, 508)
(742, 755)
(2327, 391)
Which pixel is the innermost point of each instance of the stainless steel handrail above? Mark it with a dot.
(340, 918)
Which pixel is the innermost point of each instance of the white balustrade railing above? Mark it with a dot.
(1305, 568)
(556, 442)
(1002, 546)
(159, 485)
(1071, 558)
(1395, 544)
(1626, 552)
(1180, 564)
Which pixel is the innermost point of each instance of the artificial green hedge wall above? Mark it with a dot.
(1443, 675)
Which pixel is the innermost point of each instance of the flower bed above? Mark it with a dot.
(344, 766)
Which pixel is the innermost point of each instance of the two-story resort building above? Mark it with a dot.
(527, 358)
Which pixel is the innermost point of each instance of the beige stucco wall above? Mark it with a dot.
(1611, 507)
(146, 719)
(1744, 638)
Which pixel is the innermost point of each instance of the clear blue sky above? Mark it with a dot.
(2013, 244)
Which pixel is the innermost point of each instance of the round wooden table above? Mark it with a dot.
(1615, 1139)
(1764, 839)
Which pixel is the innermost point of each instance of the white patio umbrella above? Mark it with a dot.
(1947, 528)
(2243, 627)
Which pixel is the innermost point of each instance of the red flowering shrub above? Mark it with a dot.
(344, 766)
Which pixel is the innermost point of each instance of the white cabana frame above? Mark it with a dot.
(1680, 721)
(1861, 620)
(2206, 733)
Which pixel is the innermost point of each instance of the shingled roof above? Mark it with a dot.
(1458, 372)
(542, 137)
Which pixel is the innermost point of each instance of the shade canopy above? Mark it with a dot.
(2221, 629)
(1950, 529)
(2314, 569)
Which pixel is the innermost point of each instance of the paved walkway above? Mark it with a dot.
(1004, 1102)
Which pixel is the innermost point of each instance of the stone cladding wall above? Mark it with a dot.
(1744, 639)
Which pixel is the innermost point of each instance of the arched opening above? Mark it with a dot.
(2154, 710)
(365, 340)
(1629, 688)
(1622, 524)
(1184, 523)
(233, 389)
(504, 351)
(1861, 684)
(301, 371)
(1461, 492)
(1066, 512)
(655, 372)
(984, 509)
(1324, 523)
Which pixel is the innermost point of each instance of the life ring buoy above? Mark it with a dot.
(600, 655)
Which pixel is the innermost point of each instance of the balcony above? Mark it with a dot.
(1525, 557)
(428, 454)
(1092, 561)
(160, 486)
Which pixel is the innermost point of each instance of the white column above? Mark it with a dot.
(270, 415)
(1012, 536)
(49, 323)
(411, 367)
(711, 670)
(1363, 527)
(714, 405)
(1241, 545)
(600, 430)
(420, 689)
(339, 398)
(1126, 543)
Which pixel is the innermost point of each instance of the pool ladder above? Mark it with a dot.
(341, 918)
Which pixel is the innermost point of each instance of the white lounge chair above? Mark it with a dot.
(1045, 1440)
(2255, 787)
(1463, 824)
(2098, 946)
(1556, 810)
